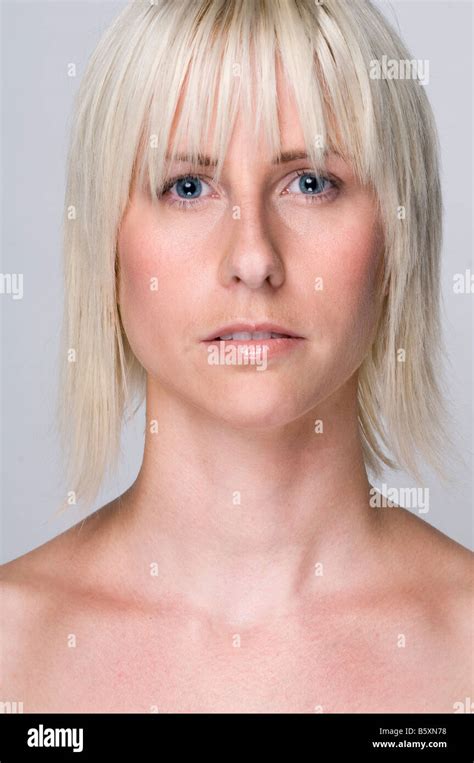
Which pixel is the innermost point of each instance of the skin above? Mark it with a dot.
(302, 597)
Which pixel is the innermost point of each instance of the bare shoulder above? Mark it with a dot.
(34, 587)
(426, 545)
(50, 564)
(438, 570)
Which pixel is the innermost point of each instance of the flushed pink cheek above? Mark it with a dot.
(353, 252)
(143, 264)
(143, 296)
(346, 304)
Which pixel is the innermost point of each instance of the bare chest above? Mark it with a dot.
(166, 666)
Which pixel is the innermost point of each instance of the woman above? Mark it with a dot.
(252, 237)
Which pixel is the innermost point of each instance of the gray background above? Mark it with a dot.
(39, 40)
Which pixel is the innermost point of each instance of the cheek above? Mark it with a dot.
(157, 258)
(350, 251)
(352, 273)
(149, 290)
(340, 243)
(344, 255)
(161, 272)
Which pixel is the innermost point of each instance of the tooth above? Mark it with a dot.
(247, 335)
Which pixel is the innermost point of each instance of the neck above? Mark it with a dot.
(243, 523)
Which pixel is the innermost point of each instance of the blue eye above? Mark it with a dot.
(188, 193)
(311, 184)
(188, 187)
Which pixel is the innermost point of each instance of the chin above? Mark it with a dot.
(245, 407)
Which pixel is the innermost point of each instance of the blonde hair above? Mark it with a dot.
(217, 52)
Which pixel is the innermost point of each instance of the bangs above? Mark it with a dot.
(226, 58)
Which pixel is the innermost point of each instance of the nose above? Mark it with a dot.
(251, 258)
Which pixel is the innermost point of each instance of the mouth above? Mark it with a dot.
(263, 340)
(251, 333)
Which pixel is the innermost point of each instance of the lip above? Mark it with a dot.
(274, 347)
(232, 328)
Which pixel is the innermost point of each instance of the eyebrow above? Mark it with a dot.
(289, 156)
(207, 161)
(202, 159)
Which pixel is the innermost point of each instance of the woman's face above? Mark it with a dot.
(272, 244)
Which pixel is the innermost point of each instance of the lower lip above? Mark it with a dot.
(275, 347)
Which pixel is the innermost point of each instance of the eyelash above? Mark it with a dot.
(193, 204)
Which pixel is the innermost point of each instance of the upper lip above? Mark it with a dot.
(232, 328)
